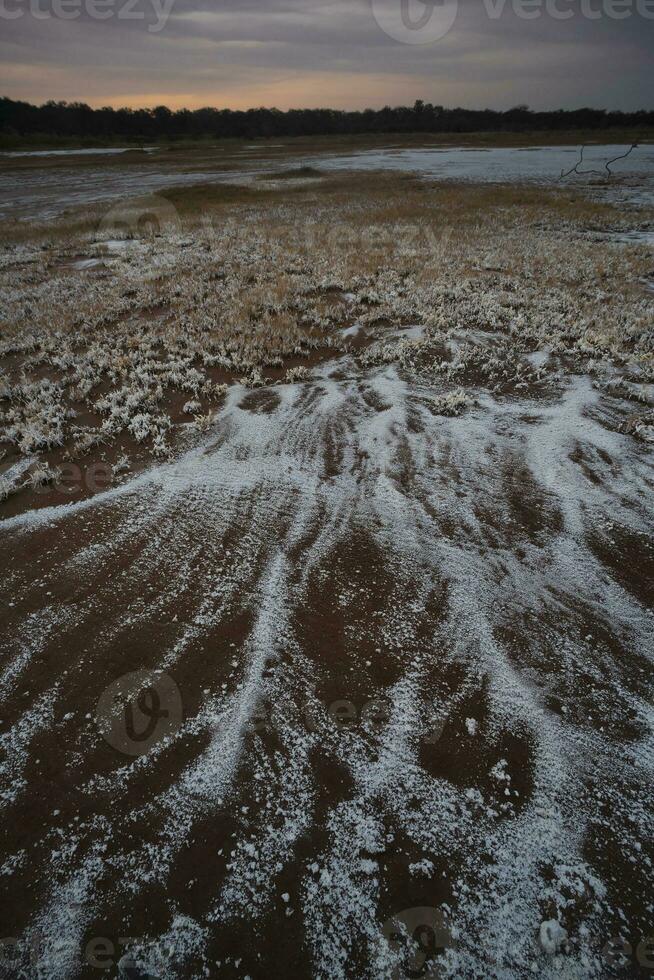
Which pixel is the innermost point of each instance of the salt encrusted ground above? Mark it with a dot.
(443, 520)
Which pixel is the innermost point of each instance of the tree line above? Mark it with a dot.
(75, 120)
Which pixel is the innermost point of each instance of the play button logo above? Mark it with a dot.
(415, 21)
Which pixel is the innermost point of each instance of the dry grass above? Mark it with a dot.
(285, 145)
(257, 281)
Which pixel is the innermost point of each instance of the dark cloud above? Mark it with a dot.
(304, 52)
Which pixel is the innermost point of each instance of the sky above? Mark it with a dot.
(309, 53)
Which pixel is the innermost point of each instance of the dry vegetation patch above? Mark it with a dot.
(130, 343)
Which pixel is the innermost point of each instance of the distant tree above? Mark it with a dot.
(75, 120)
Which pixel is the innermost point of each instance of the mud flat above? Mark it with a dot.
(327, 573)
(41, 185)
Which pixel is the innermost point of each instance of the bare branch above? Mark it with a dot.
(597, 173)
(621, 157)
